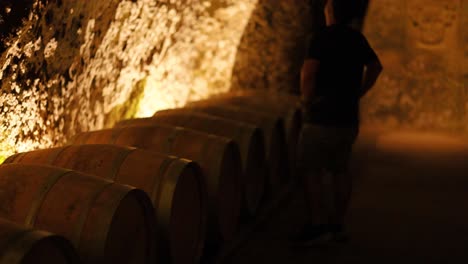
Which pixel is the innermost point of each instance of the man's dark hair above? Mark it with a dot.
(345, 10)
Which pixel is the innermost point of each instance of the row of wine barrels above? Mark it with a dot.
(285, 105)
(272, 103)
(273, 130)
(109, 221)
(105, 221)
(176, 187)
(249, 139)
(218, 158)
(21, 245)
(286, 99)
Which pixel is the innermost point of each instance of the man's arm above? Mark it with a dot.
(371, 74)
(309, 79)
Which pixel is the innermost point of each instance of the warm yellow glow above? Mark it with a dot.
(197, 59)
(423, 85)
(423, 142)
(180, 50)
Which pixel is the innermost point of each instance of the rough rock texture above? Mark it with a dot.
(424, 48)
(272, 49)
(68, 66)
(12, 14)
(273, 46)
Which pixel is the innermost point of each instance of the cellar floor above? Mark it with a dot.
(410, 205)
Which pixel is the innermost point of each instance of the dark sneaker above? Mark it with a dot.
(312, 236)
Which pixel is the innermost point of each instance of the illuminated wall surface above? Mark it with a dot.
(271, 51)
(423, 45)
(68, 66)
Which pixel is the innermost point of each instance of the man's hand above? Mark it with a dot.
(372, 72)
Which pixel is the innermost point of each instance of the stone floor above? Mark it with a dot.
(410, 205)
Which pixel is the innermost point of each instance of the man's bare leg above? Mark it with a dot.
(314, 191)
(342, 185)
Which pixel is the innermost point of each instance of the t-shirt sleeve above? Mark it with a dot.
(314, 47)
(368, 54)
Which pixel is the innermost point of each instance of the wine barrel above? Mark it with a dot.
(218, 158)
(273, 129)
(105, 221)
(21, 245)
(281, 99)
(276, 104)
(249, 138)
(176, 187)
(270, 95)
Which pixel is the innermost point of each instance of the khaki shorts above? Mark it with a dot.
(322, 147)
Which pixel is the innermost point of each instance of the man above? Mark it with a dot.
(339, 69)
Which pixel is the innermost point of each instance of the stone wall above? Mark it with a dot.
(423, 45)
(273, 46)
(68, 66)
(272, 49)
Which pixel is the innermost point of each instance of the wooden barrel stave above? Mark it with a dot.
(157, 174)
(276, 104)
(21, 245)
(249, 138)
(80, 207)
(273, 128)
(218, 158)
(181, 188)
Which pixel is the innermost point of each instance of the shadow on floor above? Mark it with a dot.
(410, 205)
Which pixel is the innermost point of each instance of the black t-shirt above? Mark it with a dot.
(342, 52)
